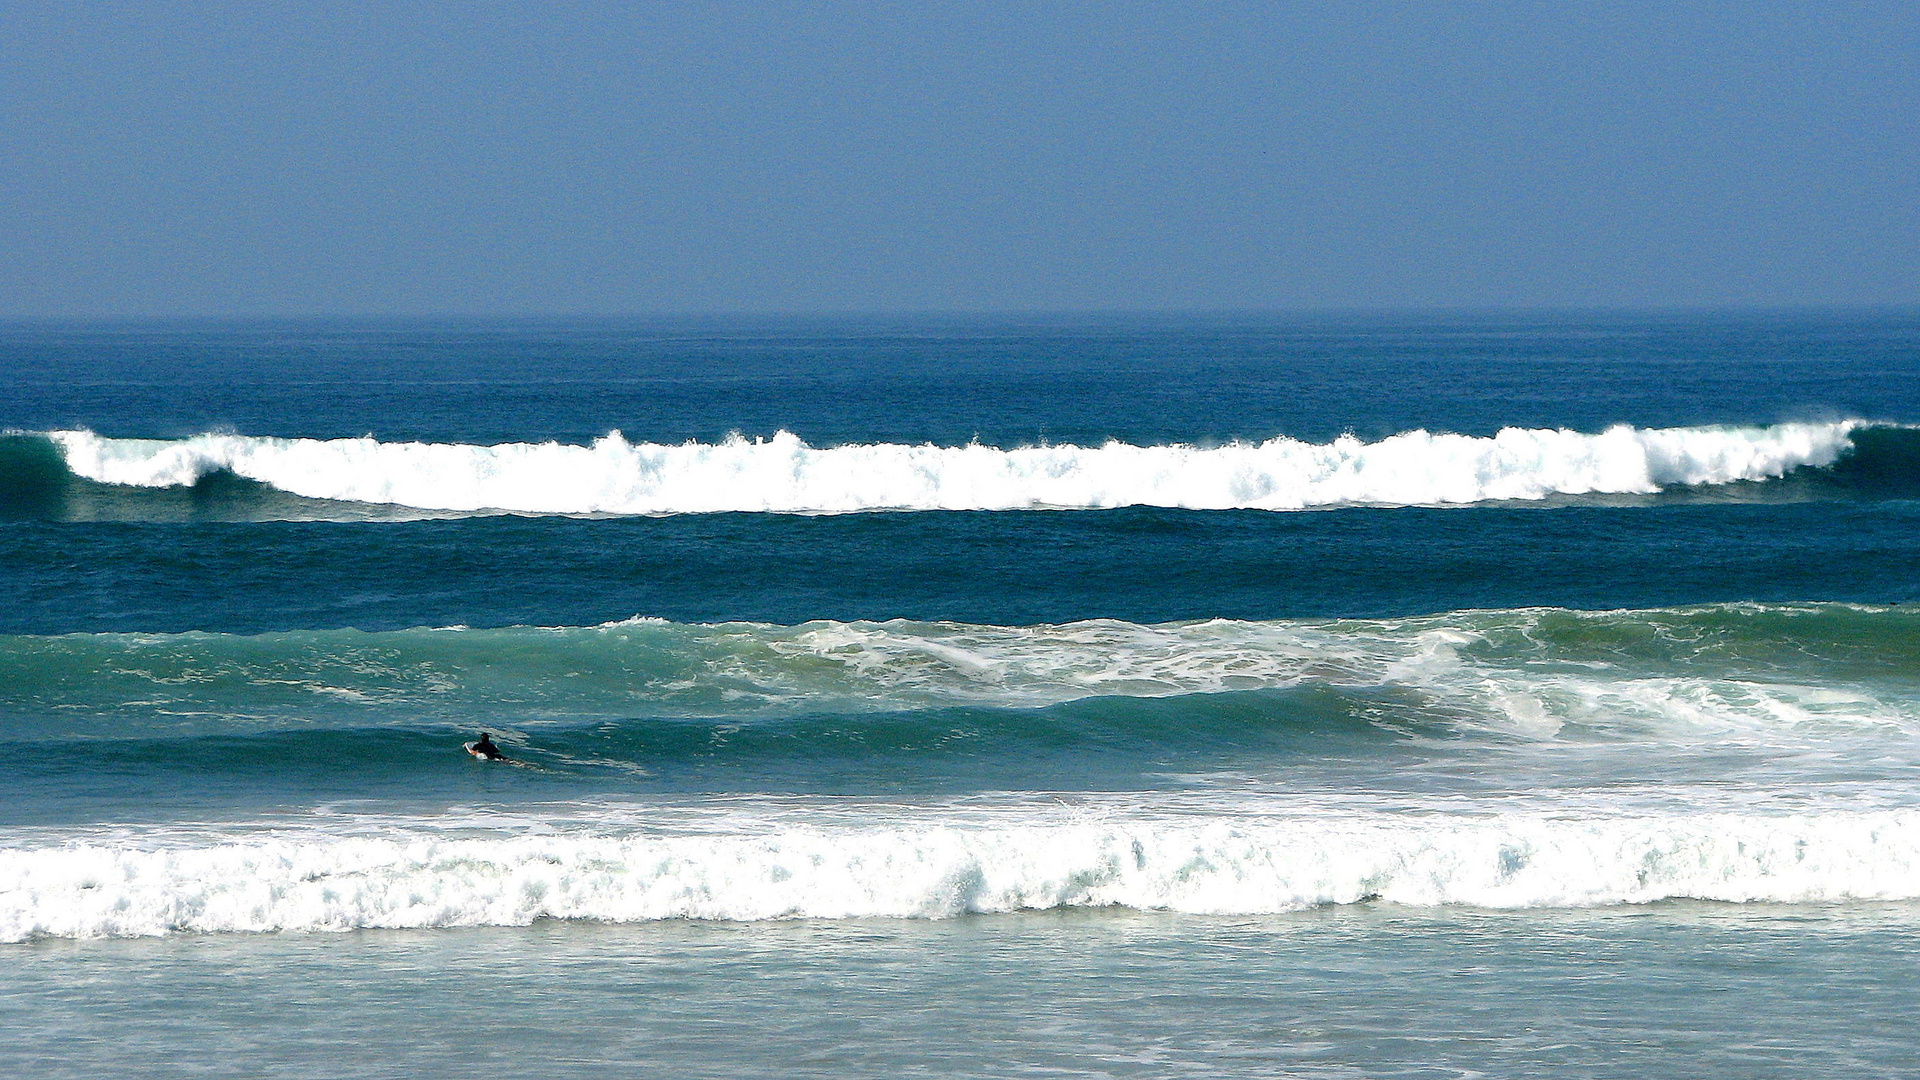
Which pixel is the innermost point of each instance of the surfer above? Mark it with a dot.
(485, 749)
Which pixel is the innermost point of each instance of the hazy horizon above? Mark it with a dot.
(985, 316)
(212, 160)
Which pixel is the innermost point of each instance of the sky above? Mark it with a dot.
(196, 159)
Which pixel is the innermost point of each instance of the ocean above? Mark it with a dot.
(1317, 696)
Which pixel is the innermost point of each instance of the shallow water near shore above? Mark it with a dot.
(1375, 990)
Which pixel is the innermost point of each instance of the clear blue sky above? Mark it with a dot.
(262, 158)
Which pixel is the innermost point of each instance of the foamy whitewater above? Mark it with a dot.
(783, 474)
(1533, 758)
(1230, 867)
(1728, 673)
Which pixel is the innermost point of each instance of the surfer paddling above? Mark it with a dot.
(485, 749)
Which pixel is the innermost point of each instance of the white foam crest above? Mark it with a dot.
(1050, 663)
(902, 662)
(782, 474)
(1223, 866)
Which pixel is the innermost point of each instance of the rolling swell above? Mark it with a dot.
(76, 475)
(1099, 745)
(1530, 672)
(37, 485)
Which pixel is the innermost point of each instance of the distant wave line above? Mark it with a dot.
(783, 474)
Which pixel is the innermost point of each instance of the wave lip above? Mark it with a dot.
(929, 871)
(783, 474)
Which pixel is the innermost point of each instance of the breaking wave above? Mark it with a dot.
(1687, 672)
(783, 474)
(1221, 866)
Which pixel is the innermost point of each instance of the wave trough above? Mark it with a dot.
(783, 474)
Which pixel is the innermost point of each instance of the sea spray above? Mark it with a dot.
(783, 474)
(305, 882)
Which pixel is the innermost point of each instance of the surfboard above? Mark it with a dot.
(503, 760)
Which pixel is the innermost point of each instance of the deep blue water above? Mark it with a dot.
(949, 381)
(1141, 564)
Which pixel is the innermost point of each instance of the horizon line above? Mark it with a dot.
(969, 314)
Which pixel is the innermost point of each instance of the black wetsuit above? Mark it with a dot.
(485, 748)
